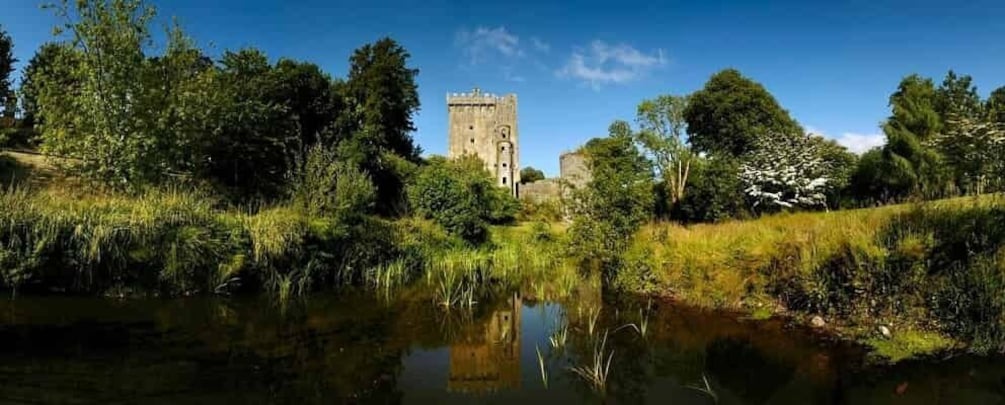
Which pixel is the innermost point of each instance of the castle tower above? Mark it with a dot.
(484, 125)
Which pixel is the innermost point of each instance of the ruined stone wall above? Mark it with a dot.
(541, 190)
(485, 125)
(574, 169)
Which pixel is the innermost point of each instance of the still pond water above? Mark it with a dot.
(363, 349)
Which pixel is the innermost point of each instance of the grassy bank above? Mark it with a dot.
(913, 269)
(180, 243)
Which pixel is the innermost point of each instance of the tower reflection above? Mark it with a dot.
(487, 356)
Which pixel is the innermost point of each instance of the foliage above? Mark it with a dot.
(55, 62)
(731, 112)
(324, 186)
(116, 125)
(256, 138)
(461, 196)
(786, 172)
(974, 149)
(8, 101)
(715, 194)
(957, 97)
(382, 96)
(994, 106)
(618, 199)
(530, 175)
(906, 167)
(662, 136)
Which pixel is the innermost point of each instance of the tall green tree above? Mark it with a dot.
(381, 96)
(256, 139)
(8, 101)
(731, 112)
(994, 106)
(52, 61)
(957, 99)
(617, 201)
(131, 120)
(911, 167)
(662, 135)
(308, 94)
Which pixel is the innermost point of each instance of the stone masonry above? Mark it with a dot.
(485, 125)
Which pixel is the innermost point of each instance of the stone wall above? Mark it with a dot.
(541, 190)
(575, 171)
(485, 125)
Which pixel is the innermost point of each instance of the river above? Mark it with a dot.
(363, 348)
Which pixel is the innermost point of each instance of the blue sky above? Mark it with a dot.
(575, 67)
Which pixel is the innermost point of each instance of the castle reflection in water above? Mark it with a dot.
(487, 358)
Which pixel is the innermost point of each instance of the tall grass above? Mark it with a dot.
(938, 265)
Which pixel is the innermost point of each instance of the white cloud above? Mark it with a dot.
(855, 142)
(861, 143)
(540, 45)
(483, 43)
(602, 63)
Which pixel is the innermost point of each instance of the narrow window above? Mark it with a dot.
(504, 149)
(504, 181)
(504, 165)
(472, 140)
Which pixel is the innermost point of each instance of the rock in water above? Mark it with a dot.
(818, 322)
(883, 330)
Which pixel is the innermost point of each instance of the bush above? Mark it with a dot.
(714, 192)
(461, 196)
(321, 185)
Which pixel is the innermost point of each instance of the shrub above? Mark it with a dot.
(461, 196)
(321, 185)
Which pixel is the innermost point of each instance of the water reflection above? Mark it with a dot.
(359, 349)
(487, 358)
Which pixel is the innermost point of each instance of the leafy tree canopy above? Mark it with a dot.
(530, 175)
(731, 112)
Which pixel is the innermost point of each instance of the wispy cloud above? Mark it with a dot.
(861, 143)
(482, 44)
(855, 142)
(601, 63)
(540, 45)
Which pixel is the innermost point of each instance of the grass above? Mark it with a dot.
(595, 372)
(908, 343)
(937, 267)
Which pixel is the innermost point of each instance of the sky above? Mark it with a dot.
(577, 66)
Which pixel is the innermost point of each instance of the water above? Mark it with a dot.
(361, 349)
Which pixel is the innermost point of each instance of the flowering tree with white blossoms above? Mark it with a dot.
(786, 172)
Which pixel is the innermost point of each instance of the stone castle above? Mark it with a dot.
(485, 125)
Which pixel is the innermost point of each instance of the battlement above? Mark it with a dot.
(477, 97)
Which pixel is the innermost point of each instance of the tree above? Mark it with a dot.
(662, 136)
(786, 172)
(911, 166)
(382, 96)
(131, 120)
(974, 148)
(731, 112)
(308, 95)
(8, 101)
(716, 192)
(52, 61)
(257, 138)
(617, 201)
(530, 175)
(994, 107)
(957, 97)
(461, 196)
